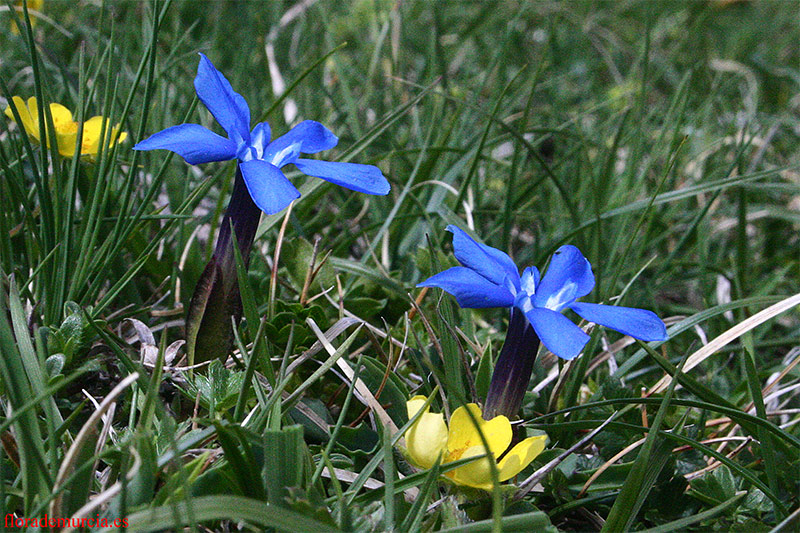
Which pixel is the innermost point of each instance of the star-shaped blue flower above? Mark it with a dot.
(259, 159)
(489, 278)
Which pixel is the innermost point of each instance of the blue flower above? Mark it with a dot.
(260, 160)
(490, 279)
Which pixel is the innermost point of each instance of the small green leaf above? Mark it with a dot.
(298, 500)
(141, 487)
(715, 487)
(239, 453)
(365, 307)
(311, 424)
(55, 364)
(219, 390)
(297, 255)
(360, 439)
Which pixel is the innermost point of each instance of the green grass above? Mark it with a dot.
(660, 138)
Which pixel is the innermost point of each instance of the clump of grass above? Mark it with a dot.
(660, 139)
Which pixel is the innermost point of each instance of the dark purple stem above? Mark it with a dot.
(513, 369)
(216, 298)
(244, 215)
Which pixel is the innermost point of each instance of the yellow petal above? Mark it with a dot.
(92, 129)
(465, 432)
(66, 129)
(62, 119)
(33, 112)
(521, 456)
(426, 439)
(66, 143)
(33, 5)
(17, 102)
(25, 115)
(119, 136)
(477, 474)
(415, 404)
(91, 135)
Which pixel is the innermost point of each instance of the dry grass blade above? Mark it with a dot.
(278, 85)
(366, 395)
(783, 373)
(107, 494)
(716, 464)
(88, 430)
(334, 331)
(526, 486)
(348, 477)
(273, 280)
(735, 332)
(625, 451)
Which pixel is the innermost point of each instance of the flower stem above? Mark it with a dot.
(513, 369)
(216, 298)
(244, 215)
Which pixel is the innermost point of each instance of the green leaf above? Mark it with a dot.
(649, 461)
(284, 462)
(358, 440)
(54, 364)
(299, 501)
(365, 307)
(36, 478)
(297, 255)
(684, 523)
(219, 390)
(361, 270)
(534, 521)
(192, 511)
(174, 487)
(140, 489)
(715, 487)
(314, 417)
(239, 455)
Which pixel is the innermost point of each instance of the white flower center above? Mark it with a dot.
(280, 158)
(565, 294)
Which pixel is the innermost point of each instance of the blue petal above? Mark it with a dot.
(227, 106)
(568, 277)
(192, 142)
(268, 187)
(362, 178)
(638, 323)
(489, 262)
(557, 332)
(470, 289)
(308, 137)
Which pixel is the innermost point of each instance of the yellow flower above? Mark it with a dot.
(66, 129)
(429, 437)
(92, 128)
(33, 5)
